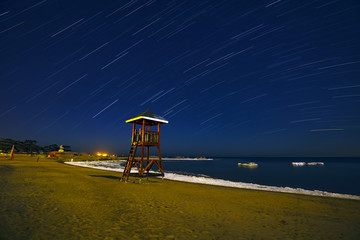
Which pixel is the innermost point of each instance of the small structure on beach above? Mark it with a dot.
(144, 138)
(61, 150)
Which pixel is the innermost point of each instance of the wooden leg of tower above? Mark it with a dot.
(160, 161)
(125, 173)
(128, 169)
(142, 160)
(132, 163)
(147, 158)
(125, 170)
(142, 148)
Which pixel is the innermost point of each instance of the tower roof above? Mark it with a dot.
(149, 117)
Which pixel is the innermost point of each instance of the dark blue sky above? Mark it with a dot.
(234, 78)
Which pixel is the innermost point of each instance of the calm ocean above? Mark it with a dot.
(338, 175)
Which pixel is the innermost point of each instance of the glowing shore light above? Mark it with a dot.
(100, 154)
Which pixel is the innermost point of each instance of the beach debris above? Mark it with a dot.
(298, 164)
(249, 165)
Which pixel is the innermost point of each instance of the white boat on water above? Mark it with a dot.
(298, 164)
(249, 165)
(315, 164)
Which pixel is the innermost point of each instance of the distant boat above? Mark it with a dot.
(298, 164)
(316, 164)
(249, 165)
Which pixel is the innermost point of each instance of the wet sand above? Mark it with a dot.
(51, 200)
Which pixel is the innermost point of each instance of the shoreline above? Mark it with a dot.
(227, 183)
(186, 158)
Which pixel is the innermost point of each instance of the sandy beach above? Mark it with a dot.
(46, 199)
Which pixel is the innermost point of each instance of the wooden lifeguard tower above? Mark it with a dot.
(144, 138)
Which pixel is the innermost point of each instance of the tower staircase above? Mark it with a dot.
(130, 161)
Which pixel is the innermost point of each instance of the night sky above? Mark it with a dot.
(233, 78)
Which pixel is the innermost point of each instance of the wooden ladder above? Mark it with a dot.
(130, 161)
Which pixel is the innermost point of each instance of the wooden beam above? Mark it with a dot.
(160, 161)
(142, 147)
(133, 133)
(147, 150)
(159, 133)
(147, 157)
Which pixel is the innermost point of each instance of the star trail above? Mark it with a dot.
(234, 78)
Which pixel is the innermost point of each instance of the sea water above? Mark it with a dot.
(338, 175)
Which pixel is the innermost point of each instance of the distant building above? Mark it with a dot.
(61, 150)
(64, 149)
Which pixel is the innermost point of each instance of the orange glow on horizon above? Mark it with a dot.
(101, 154)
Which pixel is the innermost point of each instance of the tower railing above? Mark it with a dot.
(150, 137)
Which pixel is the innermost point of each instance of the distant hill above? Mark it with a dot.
(28, 146)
